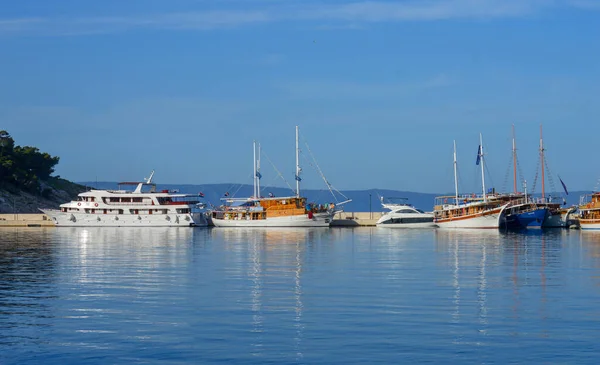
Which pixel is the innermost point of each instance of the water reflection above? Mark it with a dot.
(260, 296)
(27, 277)
(590, 252)
(273, 254)
(468, 251)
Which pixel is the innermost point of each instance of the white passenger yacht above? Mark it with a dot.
(144, 206)
(404, 215)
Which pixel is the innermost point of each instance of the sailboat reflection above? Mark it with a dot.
(470, 249)
(275, 259)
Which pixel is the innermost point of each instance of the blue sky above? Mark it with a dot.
(380, 89)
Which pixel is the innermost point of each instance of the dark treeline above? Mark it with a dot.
(24, 167)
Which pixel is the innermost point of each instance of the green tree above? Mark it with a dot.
(24, 166)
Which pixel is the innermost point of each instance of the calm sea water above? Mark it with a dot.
(276, 296)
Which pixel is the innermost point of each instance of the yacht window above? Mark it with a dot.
(405, 211)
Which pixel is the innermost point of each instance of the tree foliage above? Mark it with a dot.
(24, 166)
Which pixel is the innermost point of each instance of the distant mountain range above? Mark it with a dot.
(362, 200)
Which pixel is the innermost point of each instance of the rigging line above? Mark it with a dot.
(240, 186)
(520, 173)
(550, 179)
(490, 175)
(537, 174)
(507, 175)
(329, 186)
(279, 174)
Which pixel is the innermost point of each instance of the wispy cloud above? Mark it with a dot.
(336, 14)
(330, 89)
(585, 4)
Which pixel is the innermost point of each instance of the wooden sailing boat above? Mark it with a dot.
(258, 211)
(469, 211)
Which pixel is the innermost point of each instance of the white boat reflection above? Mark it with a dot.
(469, 250)
(273, 256)
(93, 250)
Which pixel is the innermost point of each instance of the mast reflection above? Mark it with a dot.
(274, 256)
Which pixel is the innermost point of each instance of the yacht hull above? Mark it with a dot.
(558, 219)
(407, 225)
(318, 220)
(487, 219)
(75, 219)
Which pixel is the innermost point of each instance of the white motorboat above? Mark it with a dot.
(404, 215)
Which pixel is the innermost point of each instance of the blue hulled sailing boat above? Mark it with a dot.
(522, 212)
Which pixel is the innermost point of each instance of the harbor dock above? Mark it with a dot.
(25, 220)
(355, 219)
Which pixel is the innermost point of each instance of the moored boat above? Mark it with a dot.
(404, 215)
(144, 206)
(469, 211)
(589, 211)
(522, 211)
(258, 211)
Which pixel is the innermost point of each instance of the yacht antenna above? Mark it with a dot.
(149, 179)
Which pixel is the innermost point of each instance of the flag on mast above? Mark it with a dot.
(564, 186)
(478, 155)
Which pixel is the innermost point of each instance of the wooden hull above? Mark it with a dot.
(589, 224)
(487, 219)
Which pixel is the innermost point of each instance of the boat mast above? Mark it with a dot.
(254, 165)
(455, 177)
(542, 162)
(258, 175)
(298, 169)
(514, 150)
(482, 167)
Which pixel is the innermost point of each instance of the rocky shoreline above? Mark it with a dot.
(57, 191)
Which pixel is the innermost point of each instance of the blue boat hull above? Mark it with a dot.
(529, 219)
